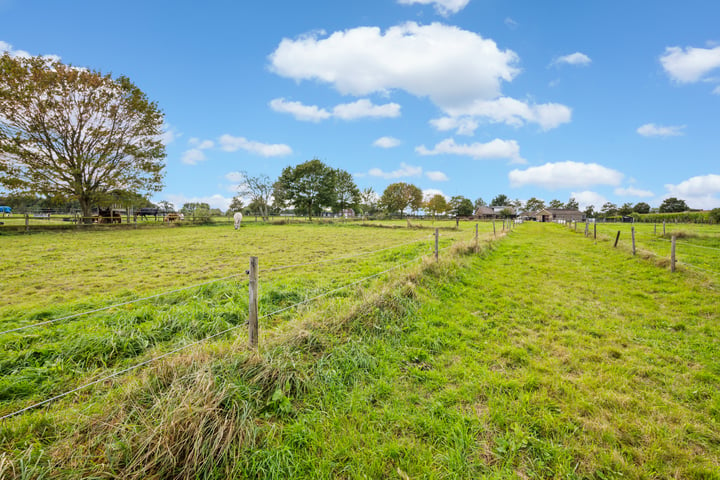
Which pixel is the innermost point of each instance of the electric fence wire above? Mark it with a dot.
(186, 346)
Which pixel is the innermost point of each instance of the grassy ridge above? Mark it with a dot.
(545, 357)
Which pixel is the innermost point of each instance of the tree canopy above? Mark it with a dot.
(461, 206)
(259, 189)
(436, 204)
(500, 201)
(641, 207)
(399, 196)
(72, 133)
(534, 204)
(347, 194)
(308, 187)
(673, 205)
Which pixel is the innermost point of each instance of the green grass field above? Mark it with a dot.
(542, 355)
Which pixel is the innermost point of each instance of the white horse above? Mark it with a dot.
(238, 218)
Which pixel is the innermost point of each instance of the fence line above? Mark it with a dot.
(345, 257)
(76, 315)
(89, 312)
(186, 346)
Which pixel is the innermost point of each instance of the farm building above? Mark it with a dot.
(485, 212)
(555, 214)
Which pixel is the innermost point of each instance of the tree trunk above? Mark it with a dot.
(86, 209)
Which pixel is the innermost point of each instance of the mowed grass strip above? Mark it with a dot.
(551, 357)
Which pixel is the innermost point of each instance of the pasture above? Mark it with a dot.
(542, 355)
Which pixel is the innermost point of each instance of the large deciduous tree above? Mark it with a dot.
(534, 204)
(347, 194)
(399, 196)
(673, 205)
(437, 204)
(308, 187)
(259, 190)
(500, 201)
(461, 206)
(68, 132)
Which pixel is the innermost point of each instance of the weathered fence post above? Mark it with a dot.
(663, 228)
(476, 234)
(595, 230)
(632, 231)
(617, 238)
(655, 228)
(27, 222)
(457, 222)
(494, 233)
(672, 254)
(437, 244)
(587, 228)
(253, 303)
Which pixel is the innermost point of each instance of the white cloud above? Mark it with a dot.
(443, 7)
(511, 24)
(308, 113)
(362, 108)
(587, 198)
(193, 157)
(716, 90)
(691, 64)
(497, 148)
(565, 175)
(576, 58)
(169, 133)
(233, 144)
(516, 113)
(405, 170)
(428, 193)
(365, 108)
(633, 192)
(7, 48)
(652, 130)
(461, 125)
(437, 176)
(215, 201)
(201, 144)
(449, 65)
(386, 142)
(698, 192)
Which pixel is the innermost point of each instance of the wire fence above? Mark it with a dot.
(112, 375)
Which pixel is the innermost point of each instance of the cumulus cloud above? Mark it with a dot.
(193, 156)
(437, 176)
(516, 113)
(450, 66)
(404, 171)
(362, 108)
(169, 134)
(428, 193)
(386, 142)
(698, 192)
(461, 125)
(587, 198)
(232, 144)
(307, 113)
(691, 64)
(496, 149)
(576, 58)
(365, 108)
(652, 130)
(443, 7)
(201, 144)
(565, 175)
(633, 192)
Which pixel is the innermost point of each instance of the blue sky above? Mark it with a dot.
(604, 101)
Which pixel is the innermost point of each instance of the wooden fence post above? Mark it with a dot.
(655, 228)
(27, 222)
(595, 230)
(617, 238)
(476, 234)
(663, 228)
(494, 233)
(672, 255)
(253, 303)
(587, 228)
(437, 244)
(632, 231)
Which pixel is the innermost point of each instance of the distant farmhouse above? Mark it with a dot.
(485, 212)
(554, 215)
